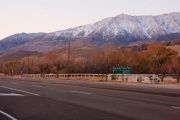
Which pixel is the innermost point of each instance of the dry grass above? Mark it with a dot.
(17, 55)
(83, 51)
(175, 47)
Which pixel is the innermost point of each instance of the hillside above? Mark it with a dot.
(17, 55)
(141, 47)
(18, 39)
(76, 52)
(175, 47)
(83, 51)
(120, 30)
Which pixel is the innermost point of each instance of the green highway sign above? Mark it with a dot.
(122, 70)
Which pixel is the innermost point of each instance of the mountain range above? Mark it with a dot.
(119, 30)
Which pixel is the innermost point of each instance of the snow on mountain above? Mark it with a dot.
(120, 30)
(81, 31)
(140, 27)
(18, 39)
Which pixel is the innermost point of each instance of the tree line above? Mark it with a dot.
(157, 59)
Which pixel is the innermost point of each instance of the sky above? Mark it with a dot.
(31, 16)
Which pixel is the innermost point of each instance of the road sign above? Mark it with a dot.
(122, 70)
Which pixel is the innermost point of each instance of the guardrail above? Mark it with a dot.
(138, 78)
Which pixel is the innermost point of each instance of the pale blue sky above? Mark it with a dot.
(18, 16)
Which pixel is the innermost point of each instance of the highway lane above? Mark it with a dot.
(68, 100)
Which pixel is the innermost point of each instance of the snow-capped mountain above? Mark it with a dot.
(125, 29)
(120, 30)
(18, 39)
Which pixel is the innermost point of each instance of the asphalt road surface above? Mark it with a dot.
(37, 99)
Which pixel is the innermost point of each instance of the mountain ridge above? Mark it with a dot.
(119, 30)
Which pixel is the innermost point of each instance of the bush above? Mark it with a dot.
(140, 79)
(113, 77)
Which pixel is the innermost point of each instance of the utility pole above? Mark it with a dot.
(28, 63)
(68, 58)
(107, 71)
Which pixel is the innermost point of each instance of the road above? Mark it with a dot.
(38, 99)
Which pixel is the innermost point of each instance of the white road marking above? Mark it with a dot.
(20, 91)
(7, 115)
(60, 82)
(14, 83)
(10, 94)
(175, 107)
(1, 81)
(36, 86)
(80, 92)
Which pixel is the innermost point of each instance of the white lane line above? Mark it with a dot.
(36, 86)
(10, 94)
(7, 115)
(61, 82)
(175, 107)
(14, 83)
(1, 81)
(80, 92)
(20, 91)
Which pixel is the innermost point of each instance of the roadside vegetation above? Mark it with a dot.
(156, 59)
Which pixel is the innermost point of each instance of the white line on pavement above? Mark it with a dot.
(14, 83)
(1, 81)
(9, 116)
(10, 94)
(61, 82)
(175, 107)
(36, 86)
(80, 92)
(20, 91)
